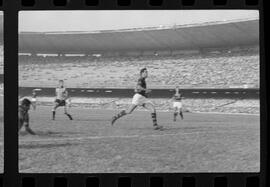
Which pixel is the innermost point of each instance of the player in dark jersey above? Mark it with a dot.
(60, 100)
(23, 116)
(140, 99)
(177, 104)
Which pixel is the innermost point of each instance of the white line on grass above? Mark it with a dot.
(226, 113)
(167, 110)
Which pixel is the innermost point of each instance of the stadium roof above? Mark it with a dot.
(203, 35)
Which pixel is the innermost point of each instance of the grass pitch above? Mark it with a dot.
(89, 144)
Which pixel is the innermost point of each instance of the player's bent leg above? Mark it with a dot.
(123, 113)
(67, 114)
(29, 130)
(54, 110)
(174, 114)
(181, 113)
(131, 109)
(152, 109)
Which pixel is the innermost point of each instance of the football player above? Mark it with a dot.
(60, 100)
(140, 98)
(23, 115)
(177, 104)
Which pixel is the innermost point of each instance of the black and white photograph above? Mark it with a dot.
(138, 91)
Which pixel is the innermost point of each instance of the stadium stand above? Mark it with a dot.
(211, 69)
(210, 55)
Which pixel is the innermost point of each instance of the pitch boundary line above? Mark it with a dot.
(227, 113)
(21, 142)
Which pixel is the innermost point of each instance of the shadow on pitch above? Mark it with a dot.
(92, 119)
(48, 134)
(46, 146)
(171, 129)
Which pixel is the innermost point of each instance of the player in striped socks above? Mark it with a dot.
(177, 104)
(140, 99)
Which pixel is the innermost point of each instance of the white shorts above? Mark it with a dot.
(33, 100)
(139, 100)
(177, 104)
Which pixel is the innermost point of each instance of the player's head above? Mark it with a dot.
(26, 103)
(143, 73)
(61, 83)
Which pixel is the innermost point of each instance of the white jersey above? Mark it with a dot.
(61, 93)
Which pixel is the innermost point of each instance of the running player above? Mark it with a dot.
(177, 104)
(61, 96)
(23, 116)
(140, 99)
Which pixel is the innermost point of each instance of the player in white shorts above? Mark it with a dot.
(140, 99)
(177, 104)
(61, 97)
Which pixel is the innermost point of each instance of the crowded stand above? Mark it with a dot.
(214, 69)
(211, 70)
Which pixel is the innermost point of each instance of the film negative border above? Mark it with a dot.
(11, 177)
(145, 180)
(134, 4)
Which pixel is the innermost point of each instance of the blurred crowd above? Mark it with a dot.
(211, 70)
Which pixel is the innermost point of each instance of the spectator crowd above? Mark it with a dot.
(223, 70)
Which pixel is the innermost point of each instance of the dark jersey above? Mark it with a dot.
(23, 115)
(142, 83)
(177, 97)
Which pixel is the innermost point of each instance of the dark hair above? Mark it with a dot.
(61, 80)
(26, 102)
(142, 70)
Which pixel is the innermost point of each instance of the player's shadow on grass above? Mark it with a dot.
(46, 146)
(92, 119)
(47, 134)
(174, 130)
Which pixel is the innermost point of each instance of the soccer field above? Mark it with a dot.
(89, 144)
